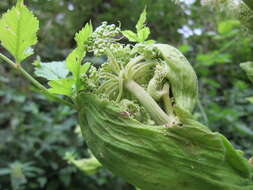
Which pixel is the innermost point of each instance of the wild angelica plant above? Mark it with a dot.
(135, 111)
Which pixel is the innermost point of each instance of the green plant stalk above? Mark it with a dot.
(35, 82)
(149, 103)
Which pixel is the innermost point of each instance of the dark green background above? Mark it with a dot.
(35, 133)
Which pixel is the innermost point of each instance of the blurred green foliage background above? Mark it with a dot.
(35, 133)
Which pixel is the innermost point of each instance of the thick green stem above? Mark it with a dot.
(35, 82)
(157, 114)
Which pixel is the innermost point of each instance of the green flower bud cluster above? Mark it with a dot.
(104, 38)
(148, 50)
(91, 81)
(122, 54)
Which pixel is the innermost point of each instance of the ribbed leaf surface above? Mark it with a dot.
(188, 157)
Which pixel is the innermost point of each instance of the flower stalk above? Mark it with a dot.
(159, 116)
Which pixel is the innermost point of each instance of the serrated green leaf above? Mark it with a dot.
(248, 68)
(142, 31)
(143, 34)
(52, 71)
(141, 22)
(83, 35)
(74, 60)
(62, 86)
(18, 28)
(130, 35)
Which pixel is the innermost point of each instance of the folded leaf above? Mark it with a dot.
(187, 157)
(182, 77)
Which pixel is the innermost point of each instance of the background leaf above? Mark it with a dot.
(17, 176)
(227, 26)
(250, 99)
(248, 68)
